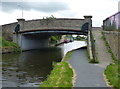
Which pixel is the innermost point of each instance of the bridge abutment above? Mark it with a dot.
(21, 22)
(29, 42)
(88, 20)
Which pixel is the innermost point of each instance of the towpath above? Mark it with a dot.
(90, 75)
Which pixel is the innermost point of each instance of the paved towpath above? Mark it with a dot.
(90, 75)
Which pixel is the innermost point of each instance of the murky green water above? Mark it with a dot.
(28, 68)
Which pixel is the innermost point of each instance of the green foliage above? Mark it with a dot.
(68, 55)
(113, 75)
(54, 39)
(69, 36)
(50, 18)
(5, 43)
(112, 71)
(80, 38)
(61, 76)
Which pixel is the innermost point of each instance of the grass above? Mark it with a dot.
(7, 44)
(112, 71)
(61, 76)
(68, 55)
(113, 75)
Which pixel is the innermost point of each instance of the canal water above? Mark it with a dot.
(30, 68)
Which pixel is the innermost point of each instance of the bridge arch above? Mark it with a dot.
(31, 32)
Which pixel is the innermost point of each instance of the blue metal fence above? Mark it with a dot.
(112, 23)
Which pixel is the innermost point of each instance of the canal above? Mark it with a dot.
(30, 68)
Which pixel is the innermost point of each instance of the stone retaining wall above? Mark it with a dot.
(113, 38)
(7, 50)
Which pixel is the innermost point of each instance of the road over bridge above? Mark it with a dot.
(34, 34)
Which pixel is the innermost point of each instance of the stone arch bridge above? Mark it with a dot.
(34, 34)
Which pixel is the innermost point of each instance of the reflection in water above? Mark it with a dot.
(29, 68)
(73, 45)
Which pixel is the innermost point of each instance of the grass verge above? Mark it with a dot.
(61, 76)
(113, 75)
(112, 71)
(68, 55)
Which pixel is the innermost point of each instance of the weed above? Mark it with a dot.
(112, 71)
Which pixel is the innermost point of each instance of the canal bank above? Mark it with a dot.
(84, 73)
(90, 74)
(8, 46)
(63, 75)
(30, 68)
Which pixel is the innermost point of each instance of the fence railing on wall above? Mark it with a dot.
(112, 23)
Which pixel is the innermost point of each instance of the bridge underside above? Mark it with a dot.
(37, 39)
(29, 42)
(53, 32)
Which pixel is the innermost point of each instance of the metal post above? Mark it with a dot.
(21, 9)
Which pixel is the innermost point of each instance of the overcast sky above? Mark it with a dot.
(10, 10)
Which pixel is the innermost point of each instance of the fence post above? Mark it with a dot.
(93, 46)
